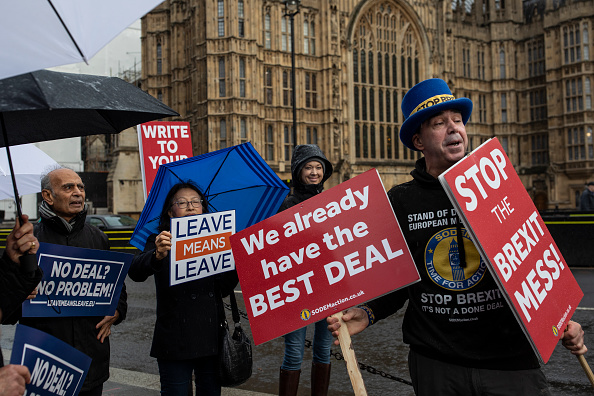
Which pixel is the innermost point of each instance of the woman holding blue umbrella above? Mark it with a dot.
(309, 169)
(187, 334)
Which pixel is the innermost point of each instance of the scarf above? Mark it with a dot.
(47, 212)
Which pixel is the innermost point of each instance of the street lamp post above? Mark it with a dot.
(292, 9)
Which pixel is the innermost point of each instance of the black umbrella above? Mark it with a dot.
(46, 105)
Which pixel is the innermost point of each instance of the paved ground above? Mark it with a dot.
(134, 373)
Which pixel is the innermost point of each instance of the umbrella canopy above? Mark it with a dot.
(27, 172)
(46, 105)
(235, 178)
(45, 33)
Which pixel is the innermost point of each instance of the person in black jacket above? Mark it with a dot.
(63, 212)
(587, 198)
(310, 169)
(15, 286)
(463, 336)
(188, 331)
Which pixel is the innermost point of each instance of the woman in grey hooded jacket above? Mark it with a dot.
(310, 169)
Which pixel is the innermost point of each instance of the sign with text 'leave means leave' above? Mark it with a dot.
(510, 234)
(331, 252)
(162, 142)
(200, 246)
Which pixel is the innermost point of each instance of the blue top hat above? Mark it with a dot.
(425, 100)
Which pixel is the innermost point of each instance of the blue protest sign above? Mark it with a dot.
(77, 282)
(56, 368)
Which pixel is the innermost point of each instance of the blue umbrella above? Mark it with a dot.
(235, 178)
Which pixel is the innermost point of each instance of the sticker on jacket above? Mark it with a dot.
(442, 261)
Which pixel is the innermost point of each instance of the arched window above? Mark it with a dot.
(380, 103)
(501, 63)
(267, 32)
(222, 134)
(243, 130)
(379, 69)
(356, 66)
(222, 88)
(387, 61)
(363, 67)
(240, 19)
(371, 104)
(242, 77)
(159, 59)
(221, 18)
(309, 37)
(370, 67)
(269, 143)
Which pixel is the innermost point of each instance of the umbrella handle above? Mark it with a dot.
(28, 261)
(14, 184)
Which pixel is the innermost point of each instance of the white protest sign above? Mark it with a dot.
(200, 246)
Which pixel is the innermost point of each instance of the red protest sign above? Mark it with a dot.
(507, 229)
(161, 142)
(336, 250)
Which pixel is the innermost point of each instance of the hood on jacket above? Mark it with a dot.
(304, 153)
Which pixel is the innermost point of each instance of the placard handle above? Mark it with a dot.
(586, 368)
(348, 352)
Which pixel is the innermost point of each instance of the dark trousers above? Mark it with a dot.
(96, 391)
(435, 378)
(176, 376)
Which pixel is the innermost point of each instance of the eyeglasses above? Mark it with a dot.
(182, 204)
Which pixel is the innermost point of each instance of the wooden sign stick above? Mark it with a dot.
(585, 366)
(349, 357)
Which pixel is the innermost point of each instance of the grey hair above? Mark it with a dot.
(45, 176)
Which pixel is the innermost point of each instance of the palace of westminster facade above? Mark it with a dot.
(225, 66)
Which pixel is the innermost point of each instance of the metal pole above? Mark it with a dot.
(293, 94)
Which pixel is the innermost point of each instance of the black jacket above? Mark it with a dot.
(80, 332)
(189, 315)
(455, 313)
(587, 200)
(15, 286)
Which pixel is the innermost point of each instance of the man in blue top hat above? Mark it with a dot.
(463, 337)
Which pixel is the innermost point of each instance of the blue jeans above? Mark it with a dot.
(176, 376)
(295, 346)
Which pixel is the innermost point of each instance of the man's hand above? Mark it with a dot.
(13, 379)
(105, 326)
(573, 338)
(21, 240)
(355, 318)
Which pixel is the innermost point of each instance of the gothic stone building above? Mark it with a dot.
(225, 66)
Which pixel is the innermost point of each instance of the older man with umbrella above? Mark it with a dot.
(63, 212)
(48, 105)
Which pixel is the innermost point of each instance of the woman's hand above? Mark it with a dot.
(163, 244)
